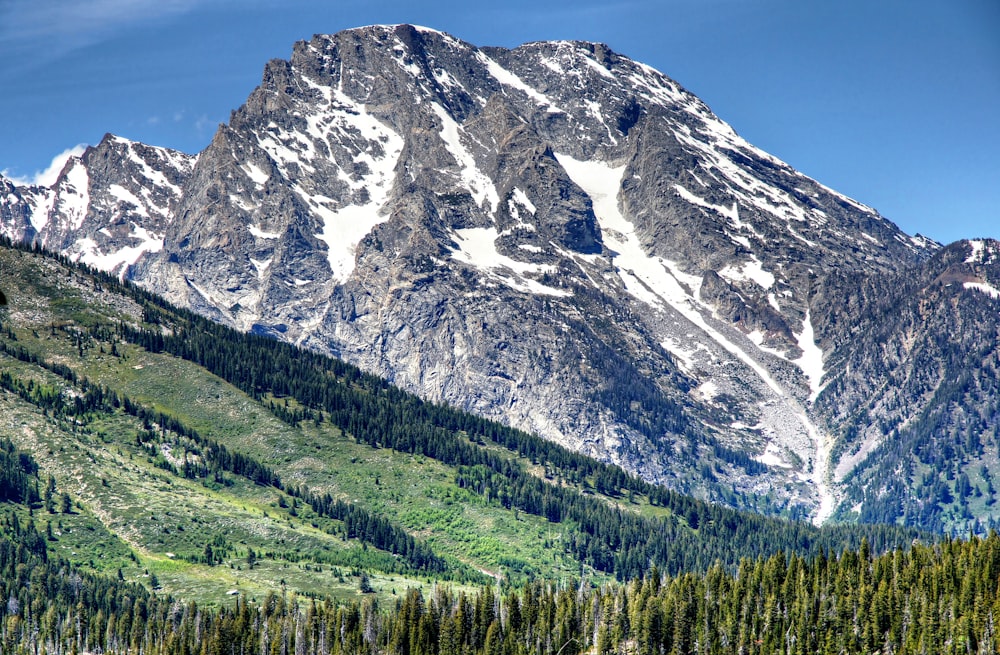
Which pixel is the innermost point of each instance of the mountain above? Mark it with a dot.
(159, 495)
(565, 240)
(136, 439)
(916, 398)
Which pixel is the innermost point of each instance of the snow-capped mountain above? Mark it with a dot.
(108, 207)
(554, 236)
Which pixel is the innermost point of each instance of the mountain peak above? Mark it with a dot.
(553, 235)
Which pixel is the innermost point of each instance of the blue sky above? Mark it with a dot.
(893, 102)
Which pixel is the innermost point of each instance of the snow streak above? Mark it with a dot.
(659, 282)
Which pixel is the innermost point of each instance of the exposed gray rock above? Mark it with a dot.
(554, 236)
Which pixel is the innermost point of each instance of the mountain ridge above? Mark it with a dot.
(554, 236)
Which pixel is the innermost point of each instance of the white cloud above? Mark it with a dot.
(34, 32)
(48, 176)
(205, 124)
(81, 21)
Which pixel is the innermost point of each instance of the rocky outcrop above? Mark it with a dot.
(554, 236)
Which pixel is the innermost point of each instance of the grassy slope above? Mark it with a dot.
(135, 516)
(127, 505)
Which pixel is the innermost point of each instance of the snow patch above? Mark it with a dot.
(751, 270)
(74, 194)
(400, 51)
(204, 293)
(982, 253)
(651, 279)
(521, 198)
(506, 78)
(708, 390)
(600, 70)
(811, 361)
(261, 234)
(732, 214)
(983, 287)
(261, 266)
(477, 248)
(126, 196)
(344, 227)
(41, 209)
(288, 148)
(772, 456)
(517, 201)
(684, 357)
(87, 251)
(445, 78)
(742, 240)
(258, 176)
(594, 109)
(658, 86)
(175, 159)
(552, 65)
(977, 252)
(477, 182)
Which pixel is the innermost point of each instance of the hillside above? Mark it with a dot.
(181, 446)
(556, 237)
(918, 599)
(922, 599)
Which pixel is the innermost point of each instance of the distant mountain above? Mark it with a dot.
(565, 240)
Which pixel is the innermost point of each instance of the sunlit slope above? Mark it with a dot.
(240, 464)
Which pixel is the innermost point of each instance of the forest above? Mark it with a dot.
(925, 599)
(938, 598)
(687, 577)
(694, 536)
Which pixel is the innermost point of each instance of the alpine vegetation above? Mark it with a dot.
(564, 240)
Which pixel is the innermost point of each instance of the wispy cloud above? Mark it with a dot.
(34, 32)
(204, 124)
(48, 176)
(47, 29)
(79, 20)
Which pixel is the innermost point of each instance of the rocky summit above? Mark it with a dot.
(564, 239)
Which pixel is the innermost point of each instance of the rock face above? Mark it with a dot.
(554, 236)
(108, 208)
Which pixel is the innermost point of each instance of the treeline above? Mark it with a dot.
(613, 539)
(215, 457)
(606, 537)
(940, 599)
